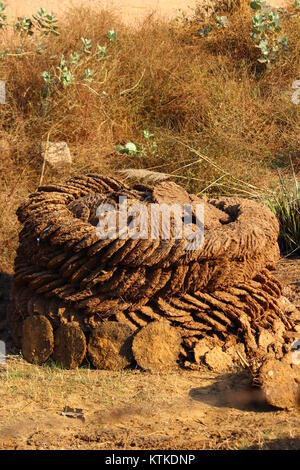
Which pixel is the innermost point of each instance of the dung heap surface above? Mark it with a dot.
(220, 300)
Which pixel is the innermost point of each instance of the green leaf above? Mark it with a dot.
(101, 51)
(3, 17)
(45, 22)
(40, 48)
(256, 5)
(88, 74)
(74, 58)
(147, 134)
(86, 45)
(3, 7)
(47, 77)
(131, 147)
(204, 32)
(222, 21)
(283, 41)
(24, 26)
(111, 35)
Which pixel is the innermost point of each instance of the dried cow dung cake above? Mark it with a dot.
(201, 302)
(109, 346)
(169, 192)
(156, 347)
(37, 339)
(70, 345)
(218, 361)
(279, 383)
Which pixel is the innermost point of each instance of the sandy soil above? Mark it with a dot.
(130, 10)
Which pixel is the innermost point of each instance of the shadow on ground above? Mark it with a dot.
(232, 391)
(5, 285)
(285, 443)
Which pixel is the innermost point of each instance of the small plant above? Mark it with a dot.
(222, 22)
(65, 76)
(74, 69)
(43, 23)
(111, 35)
(86, 45)
(46, 22)
(62, 75)
(151, 144)
(142, 150)
(101, 51)
(88, 75)
(24, 26)
(3, 17)
(147, 134)
(75, 58)
(265, 32)
(129, 149)
(204, 32)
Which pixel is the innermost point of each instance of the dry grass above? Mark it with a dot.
(203, 92)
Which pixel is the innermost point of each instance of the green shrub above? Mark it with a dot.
(266, 26)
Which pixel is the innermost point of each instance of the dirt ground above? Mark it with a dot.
(138, 410)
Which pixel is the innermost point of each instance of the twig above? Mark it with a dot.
(238, 189)
(208, 160)
(243, 360)
(211, 184)
(89, 88)
(92, 89)
(20, 54)
(135, 86)
(44, 160)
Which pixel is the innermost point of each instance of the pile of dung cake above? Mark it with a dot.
(121, 300)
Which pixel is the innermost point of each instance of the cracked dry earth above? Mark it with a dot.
(137, 410)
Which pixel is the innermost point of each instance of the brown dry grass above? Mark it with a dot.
(202, 92)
